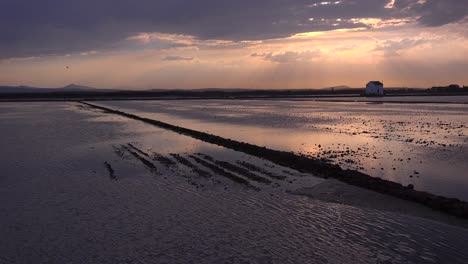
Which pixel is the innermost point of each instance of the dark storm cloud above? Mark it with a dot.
(437, 13)
(32, 27)
(433, 12)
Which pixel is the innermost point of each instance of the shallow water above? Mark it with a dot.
(59, 205)
(421, 144)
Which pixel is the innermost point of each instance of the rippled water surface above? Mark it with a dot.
(59, 203)
(421, 144)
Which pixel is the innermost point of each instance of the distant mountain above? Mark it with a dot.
(68, 88)
(222, 90)
(71, 88)
(78, 88)
(204, 90)
(18, 89)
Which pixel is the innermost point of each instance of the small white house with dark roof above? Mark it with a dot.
(375, 88)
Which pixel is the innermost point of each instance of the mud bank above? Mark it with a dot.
(317, 167)
(334, 191)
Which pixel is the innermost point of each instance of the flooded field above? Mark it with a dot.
(82, 186)
(421, 144)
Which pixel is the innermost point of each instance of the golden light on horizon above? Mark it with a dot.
(396, 50)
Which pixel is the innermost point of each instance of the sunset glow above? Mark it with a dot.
(404, 44)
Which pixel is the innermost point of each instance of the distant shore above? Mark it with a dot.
(250, 95)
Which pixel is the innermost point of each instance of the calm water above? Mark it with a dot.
(421, 144)
(59, 205)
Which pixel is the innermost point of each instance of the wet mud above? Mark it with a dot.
(110, 170)
(138, 150)
(236, 169)
(147, 163)
(255, 168)
(189, 164)
(167, 162)
(222, 172)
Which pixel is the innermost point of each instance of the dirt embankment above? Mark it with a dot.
(317, 167)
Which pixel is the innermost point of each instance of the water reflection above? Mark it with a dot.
(56, 195)
(424, 145)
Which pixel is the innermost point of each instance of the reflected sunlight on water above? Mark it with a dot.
(58, 203)
(420, 144)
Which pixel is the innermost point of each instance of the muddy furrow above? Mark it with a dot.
(314, 166)
(205, 156)
(147, 163)
(138, 150)
(239, 170)
(193, 167)
(110, 170)
(163, 160)
(242, 171)
(255, 168)
(120, 152)
(222, 172)
(154, 156)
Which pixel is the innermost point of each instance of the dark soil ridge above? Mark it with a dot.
(147, 163)
(155, 156)
(120, 152)
(223, 172)
(110, 170)
(239, 170)
(316, 167)
(255, 168)
(163, 160)
(186, 162)
(138, 150)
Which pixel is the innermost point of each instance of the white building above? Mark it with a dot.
(375, 88)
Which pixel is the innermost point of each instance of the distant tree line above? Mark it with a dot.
(220, 94)
(453, 88)
(194, 94)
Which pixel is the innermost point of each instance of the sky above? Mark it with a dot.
(267, 44)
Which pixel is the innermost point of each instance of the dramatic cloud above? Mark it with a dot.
(177, 58)
(34, 28)
(391, 47)
(144, 44)
(433, 12)
(344, 48)
(289, 56)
